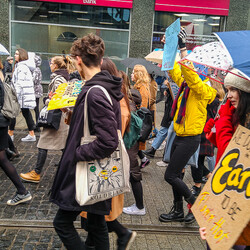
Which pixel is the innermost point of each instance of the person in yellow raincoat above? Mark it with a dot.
(189, 117)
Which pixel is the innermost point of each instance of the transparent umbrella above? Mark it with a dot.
(3, 51)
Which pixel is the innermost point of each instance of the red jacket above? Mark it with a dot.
(224, 129)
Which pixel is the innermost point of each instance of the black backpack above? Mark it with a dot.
(147, 118)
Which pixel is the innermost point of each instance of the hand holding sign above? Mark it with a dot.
(170, 46)
(222, 206)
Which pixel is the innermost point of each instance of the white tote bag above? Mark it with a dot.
(99, 180)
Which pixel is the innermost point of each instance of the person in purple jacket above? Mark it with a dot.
(104, 120)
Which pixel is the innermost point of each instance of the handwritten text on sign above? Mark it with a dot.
(222, 207)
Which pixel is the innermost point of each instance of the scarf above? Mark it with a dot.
(182, 109)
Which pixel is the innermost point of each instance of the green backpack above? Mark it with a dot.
(133, 134)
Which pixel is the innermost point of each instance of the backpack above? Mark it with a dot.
(147, 118)
(133, 134)
(11, 107)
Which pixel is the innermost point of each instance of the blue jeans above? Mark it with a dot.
(211, 163)
(160, 137)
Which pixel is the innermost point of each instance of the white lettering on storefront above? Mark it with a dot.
(89, 1)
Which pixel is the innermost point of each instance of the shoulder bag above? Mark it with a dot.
(101, 179)
(49, 118)
(11, 107)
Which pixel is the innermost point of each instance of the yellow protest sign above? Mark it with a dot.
(65, 95)
(223, 204)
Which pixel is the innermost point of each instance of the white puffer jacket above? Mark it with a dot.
(23, 82)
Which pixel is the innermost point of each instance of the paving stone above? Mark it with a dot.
(158, 199)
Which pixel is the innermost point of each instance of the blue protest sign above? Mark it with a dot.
(170, 47)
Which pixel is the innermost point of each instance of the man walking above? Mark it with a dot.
(104, 120)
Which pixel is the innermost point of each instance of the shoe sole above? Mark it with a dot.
(21, 201)
(28, 141)
(178, 220)
(131, 240)
(29, 180)
(190, 222)
(133, 214)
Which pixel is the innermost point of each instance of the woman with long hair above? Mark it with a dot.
(139, 97)
(22, 195)
(23, 83)
(236, 111)
(50, 138)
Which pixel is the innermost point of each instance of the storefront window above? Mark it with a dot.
(40, 27)
(199, 27)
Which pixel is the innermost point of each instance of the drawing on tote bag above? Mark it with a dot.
(106, 174)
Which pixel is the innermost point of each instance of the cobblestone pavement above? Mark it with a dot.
(29, 226)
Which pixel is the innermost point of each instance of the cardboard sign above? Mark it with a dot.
(65, 95)
(223, 204)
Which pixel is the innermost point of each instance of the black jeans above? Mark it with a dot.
(36, 109)
(41, 158)
(28, 118)
(97, 230)
(136, 175)
(182, 149)
(198, 173)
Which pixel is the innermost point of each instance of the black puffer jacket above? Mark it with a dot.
(4, 122)
(104, 120)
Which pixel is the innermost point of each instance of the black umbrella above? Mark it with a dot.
(150, 67)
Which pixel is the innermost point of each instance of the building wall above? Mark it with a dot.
(142, 18)
(239, 14)
(4, 23)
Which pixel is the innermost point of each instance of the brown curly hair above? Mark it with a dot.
(90, 48)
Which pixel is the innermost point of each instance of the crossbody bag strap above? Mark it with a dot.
(86, 131)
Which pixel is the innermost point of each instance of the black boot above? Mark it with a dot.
(189, 218)
(150, 152)
(10, 154)
(176, 213)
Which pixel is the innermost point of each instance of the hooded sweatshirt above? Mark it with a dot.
(104, 120)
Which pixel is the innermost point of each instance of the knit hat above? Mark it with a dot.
(237, 81)
(9, 58)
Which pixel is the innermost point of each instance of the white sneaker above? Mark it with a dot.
(161, 164)
(162, 146)
(150, 141)
(134, 210)
(29, 138)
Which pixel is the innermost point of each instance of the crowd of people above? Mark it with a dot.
(194, 108)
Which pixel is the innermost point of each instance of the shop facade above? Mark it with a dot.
(130, 28)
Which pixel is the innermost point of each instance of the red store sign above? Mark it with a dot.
(128, 4)
(209, 7)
